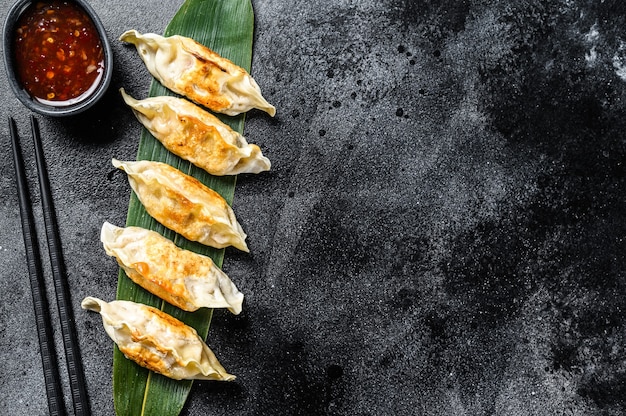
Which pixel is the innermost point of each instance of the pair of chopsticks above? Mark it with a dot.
(45, 329)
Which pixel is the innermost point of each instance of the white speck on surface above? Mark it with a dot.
(591, 56)
(619, 61)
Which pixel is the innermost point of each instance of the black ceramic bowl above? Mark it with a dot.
(68, 107)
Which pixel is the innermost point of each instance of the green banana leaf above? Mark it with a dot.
(225, 26)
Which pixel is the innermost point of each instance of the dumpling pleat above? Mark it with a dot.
(180, 277)
(183, 204)
(157, 341)
(197, 136)
(195, 71)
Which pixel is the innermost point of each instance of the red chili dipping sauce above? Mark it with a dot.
(58, 52)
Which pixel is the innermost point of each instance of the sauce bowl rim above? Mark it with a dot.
(15, 12)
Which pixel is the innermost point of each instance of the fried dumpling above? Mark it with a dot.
(183, 204)
(197, 136)
(157, 341)
(181, 277)
(195, 71)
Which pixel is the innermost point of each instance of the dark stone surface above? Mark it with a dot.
(442, 231)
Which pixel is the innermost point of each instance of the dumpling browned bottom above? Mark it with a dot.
(183, 204)
(157, 341)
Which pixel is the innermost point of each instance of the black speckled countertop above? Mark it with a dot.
(441, 233)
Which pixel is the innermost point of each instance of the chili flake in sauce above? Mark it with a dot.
(58, 52)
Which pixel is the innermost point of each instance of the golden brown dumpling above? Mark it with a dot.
(197, 136)
(157, 341)
(183, 204)
(181, 277)
(195, 71)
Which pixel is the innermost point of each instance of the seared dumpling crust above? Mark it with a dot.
(195, 71)
(180, 277)
(183, 204)
(157, 341)
(198, 136)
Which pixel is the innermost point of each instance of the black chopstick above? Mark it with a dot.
(45, 331)
(44, 326)
(68, 329)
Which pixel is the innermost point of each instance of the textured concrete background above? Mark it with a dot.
(442, 232)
